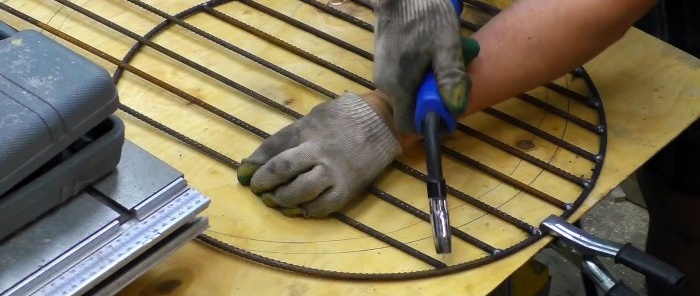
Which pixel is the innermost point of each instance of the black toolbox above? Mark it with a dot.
(58, 133)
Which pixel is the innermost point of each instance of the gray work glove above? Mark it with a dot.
(316, 165)
(412, 37)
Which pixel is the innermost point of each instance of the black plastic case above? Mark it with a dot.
(57, 131)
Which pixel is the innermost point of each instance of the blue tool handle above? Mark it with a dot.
(429, 99)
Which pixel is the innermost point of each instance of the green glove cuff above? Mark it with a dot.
(470, 50)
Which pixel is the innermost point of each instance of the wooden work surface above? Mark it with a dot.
(649, 91)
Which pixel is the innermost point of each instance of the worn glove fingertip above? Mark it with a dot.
(455, 96)
(245, 172)
(292, 212)
(269, 200)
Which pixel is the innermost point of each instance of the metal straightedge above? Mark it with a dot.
(105, 237)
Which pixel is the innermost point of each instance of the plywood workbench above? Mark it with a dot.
(650, 90)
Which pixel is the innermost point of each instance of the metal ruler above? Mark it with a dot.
(107, 236)
(137, 237)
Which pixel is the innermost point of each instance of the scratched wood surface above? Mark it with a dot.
(649, 90)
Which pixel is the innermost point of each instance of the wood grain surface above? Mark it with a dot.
(650, 92)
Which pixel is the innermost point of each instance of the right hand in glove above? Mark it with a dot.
(316, 165)
(413, 36)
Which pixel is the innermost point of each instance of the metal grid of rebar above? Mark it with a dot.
(592, 101)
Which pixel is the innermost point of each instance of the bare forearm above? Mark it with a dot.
(536, 41)
(533, 42)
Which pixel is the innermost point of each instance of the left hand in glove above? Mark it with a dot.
(316, 165)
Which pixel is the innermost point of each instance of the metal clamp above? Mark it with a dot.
(582, 241)
(592, 268)
(587, 246)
